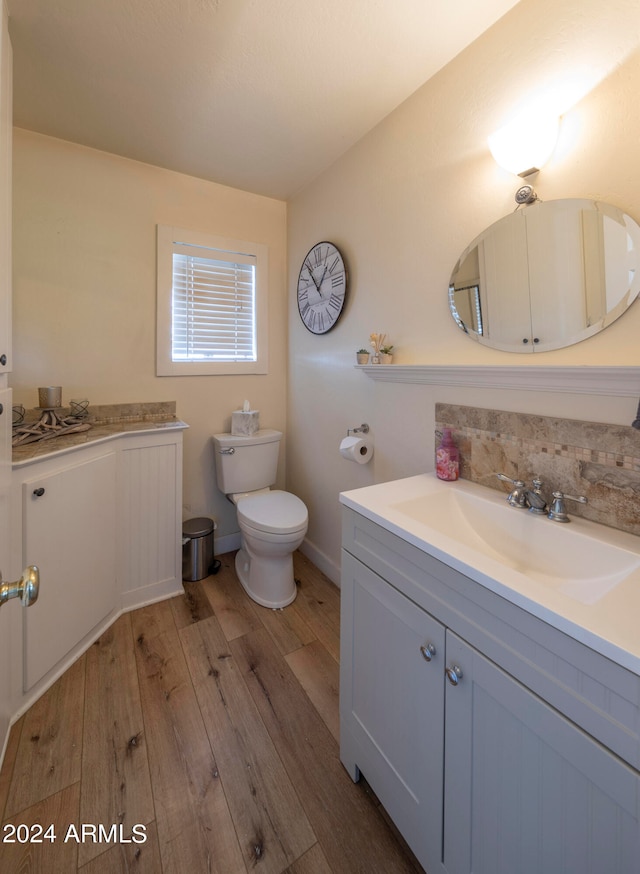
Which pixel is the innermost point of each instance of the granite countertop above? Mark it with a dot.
(106, 421)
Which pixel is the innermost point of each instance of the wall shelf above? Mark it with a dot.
(616, 381)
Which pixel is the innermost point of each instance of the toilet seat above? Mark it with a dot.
(275, 512)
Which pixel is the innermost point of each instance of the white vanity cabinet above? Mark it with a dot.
(69, 512)
(103, 523)
(527, 762)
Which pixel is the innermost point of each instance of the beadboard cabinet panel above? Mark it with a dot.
(149, 519)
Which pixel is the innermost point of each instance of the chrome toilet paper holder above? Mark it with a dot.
(363, 429)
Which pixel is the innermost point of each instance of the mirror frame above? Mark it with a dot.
(507, 263)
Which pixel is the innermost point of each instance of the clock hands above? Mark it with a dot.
(323, 276)
(313, 279)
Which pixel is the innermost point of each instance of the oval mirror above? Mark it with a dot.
(547, 276)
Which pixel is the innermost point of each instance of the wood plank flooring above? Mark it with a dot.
(199, 734)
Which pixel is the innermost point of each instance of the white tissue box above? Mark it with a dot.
(245, 424)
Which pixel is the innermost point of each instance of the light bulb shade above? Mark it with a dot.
(525, 145)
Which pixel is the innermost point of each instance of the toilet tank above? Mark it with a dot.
(251, 465)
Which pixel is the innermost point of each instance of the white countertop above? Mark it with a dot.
(609, 624)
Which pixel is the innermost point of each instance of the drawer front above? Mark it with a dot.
(597, 694)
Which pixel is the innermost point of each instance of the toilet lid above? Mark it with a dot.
(277, 512)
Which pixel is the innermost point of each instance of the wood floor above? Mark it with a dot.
(199, 734)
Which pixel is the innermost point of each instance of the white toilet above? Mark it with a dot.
(272, 523)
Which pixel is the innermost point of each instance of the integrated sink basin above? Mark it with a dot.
(581, 564)
(581, 577)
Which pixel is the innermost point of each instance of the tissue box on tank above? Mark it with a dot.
(244, 424)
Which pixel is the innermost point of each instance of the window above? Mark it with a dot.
(211, 307)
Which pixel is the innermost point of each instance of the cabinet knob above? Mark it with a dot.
(428, 651)
(38, 493)
(3, 359)
(453, 674)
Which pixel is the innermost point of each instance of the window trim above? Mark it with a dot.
(167, 237)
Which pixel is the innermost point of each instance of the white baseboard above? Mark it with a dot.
(150, 594)
(321, 560)
(226, 543)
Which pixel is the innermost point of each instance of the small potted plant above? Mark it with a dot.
(362, 356)
(386, 354)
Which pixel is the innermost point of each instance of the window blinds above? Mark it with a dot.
(213, 306)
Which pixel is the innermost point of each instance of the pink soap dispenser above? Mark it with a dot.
(447, 458)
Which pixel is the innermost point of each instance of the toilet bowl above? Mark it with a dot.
(272, 523)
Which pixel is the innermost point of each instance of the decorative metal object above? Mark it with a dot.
(49, 425)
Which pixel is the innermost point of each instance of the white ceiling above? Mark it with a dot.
(261, 95)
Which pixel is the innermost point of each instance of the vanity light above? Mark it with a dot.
(525, 145)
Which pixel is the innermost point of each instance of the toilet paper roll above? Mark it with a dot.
(356, 449)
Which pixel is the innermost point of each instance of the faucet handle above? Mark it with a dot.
(507, 479)
(558, 511)
(517, 497)
(579, 498)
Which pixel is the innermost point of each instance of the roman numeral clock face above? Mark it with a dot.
(322, 285)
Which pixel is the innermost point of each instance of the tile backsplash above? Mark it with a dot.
(599, 461)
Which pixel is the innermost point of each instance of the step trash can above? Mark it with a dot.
(198, 559)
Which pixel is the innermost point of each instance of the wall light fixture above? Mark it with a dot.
(525, 145)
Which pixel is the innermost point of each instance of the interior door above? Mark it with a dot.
(10, 613)
(7, 616)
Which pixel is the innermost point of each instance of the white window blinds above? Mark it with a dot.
(213, 306)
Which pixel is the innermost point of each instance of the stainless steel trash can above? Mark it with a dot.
(197, 549)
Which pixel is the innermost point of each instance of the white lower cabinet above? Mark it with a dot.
(103, 524)
(69, 533)
(479, 773)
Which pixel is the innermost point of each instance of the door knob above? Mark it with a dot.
(26, 588)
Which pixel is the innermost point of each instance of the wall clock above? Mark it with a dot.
(322, 286)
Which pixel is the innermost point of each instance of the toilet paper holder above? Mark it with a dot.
(363, 429)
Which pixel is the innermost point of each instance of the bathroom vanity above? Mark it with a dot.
(102, 521)
(491, 701)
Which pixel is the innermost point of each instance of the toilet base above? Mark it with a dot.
(267, 581)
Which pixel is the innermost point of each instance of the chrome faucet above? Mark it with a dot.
(522, 496)
(532, 499)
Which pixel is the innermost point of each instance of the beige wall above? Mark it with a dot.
(84, 292)
(404, 203)
(401, 205)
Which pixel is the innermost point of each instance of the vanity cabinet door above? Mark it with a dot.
(525, 789)
(391, 704)
(69, 533)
